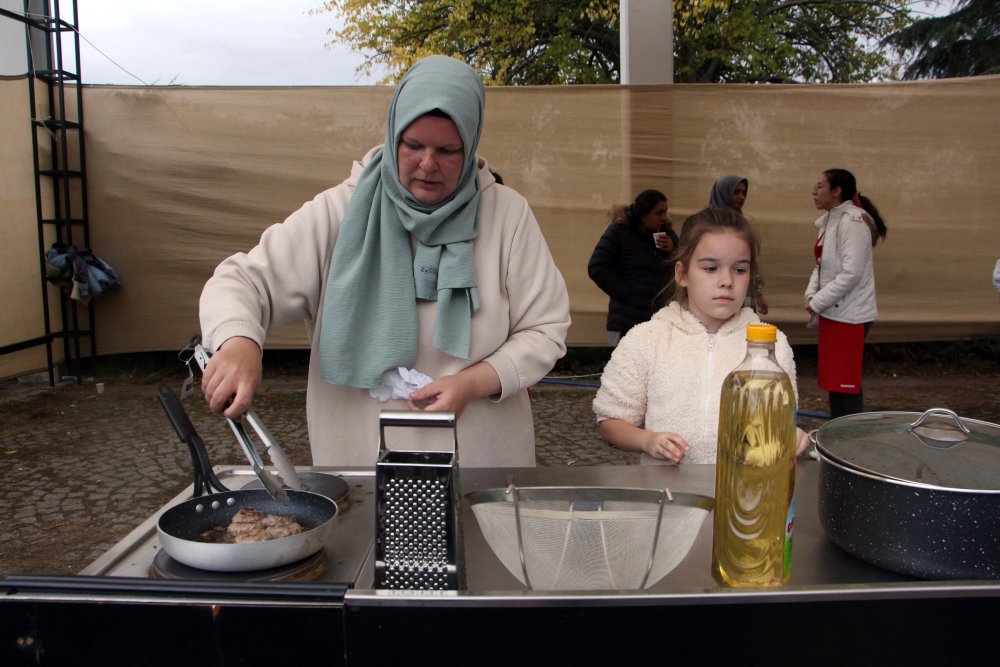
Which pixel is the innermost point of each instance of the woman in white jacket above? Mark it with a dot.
(841, 291)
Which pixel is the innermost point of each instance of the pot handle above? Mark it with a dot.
(925, 433)
(942, 412)
(814, 441)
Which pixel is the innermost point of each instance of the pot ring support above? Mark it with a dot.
(589, 538)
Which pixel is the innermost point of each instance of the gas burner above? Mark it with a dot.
(307, 569)
(325, 484)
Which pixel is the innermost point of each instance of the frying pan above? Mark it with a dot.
(180, 526)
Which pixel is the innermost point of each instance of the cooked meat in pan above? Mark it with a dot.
(251, 525)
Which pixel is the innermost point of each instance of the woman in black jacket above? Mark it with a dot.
(629, 263)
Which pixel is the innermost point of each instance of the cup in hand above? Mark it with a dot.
(657, 236)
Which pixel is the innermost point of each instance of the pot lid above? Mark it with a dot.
(935, 449)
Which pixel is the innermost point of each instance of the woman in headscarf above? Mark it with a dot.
(731, 192)
(420, 262)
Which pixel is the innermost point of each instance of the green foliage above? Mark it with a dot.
(963, 43)
(748, 41)
(508, 41)
(577, 41)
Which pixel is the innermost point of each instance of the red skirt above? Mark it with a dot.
(841, 350)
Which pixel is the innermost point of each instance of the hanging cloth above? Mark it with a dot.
(79, 270)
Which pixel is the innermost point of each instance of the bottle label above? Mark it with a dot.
(789, 527)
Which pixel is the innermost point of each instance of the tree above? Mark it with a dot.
(507, 41)
(963, 43)
(577, 41)
(749, 41)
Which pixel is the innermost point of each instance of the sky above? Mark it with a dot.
(212, 42)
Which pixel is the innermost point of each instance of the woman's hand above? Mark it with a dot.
(667, 446)
(232, 374)
(665, 243)
(808, 306)
(452, 393)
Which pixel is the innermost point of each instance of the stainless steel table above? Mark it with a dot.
(816, 561)
(836, 609)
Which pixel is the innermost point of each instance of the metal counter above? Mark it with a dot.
(837, 609)
(819, 567)
(346, 551)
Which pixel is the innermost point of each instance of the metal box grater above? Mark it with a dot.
(418, 532)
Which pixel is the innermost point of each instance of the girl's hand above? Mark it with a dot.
(801, 441)
(667, 446)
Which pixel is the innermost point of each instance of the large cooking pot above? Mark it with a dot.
(180, 527)
(915, 494)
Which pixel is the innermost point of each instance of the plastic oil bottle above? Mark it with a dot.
(755, 469)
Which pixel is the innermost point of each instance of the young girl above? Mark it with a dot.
(660, 391)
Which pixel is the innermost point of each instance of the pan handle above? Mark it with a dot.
(390, 418)
(204, 477)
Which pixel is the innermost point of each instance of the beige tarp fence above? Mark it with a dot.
(179, 178)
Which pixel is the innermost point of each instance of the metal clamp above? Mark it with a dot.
(277, 455)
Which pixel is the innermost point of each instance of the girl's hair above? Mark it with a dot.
(843, 179)
(709, 221)
(633, 214)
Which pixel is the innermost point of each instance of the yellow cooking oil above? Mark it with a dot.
(755, 470)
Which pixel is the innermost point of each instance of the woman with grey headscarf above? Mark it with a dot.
(423, 284)
(731, 192)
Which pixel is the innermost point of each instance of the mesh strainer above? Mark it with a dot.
(589, 538)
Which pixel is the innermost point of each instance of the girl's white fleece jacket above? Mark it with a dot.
(666, 375)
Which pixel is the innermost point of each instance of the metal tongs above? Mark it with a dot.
(277, 455)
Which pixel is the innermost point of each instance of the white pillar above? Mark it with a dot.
(13, 48)
(647, 41)
(13, 51)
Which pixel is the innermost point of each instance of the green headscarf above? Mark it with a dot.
(369, 311)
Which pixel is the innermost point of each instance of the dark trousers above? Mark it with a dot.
(846, 404)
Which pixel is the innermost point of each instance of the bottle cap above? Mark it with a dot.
(762, 333)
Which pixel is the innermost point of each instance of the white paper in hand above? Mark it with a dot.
(399, 383)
